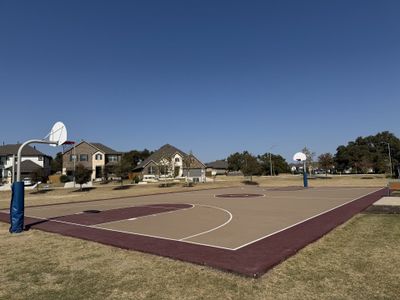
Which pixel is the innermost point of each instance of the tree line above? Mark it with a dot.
(378, 154)
(368, 154)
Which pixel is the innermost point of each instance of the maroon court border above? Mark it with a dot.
(252, 260)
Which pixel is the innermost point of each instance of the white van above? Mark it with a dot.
(149, 178)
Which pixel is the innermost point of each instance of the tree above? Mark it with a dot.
(371, 152)
(279, 164)
(187, 163)
(235, 161)
(106, 171)
(325, 162)
(165, 166)
(250, 165)
(121, 170)
(310, 158)
(82, 175)
(342, 159)
(132, 158)
(38, 176)
(57, 163)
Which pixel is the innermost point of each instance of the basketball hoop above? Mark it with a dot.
(56, 137)
(67, 145)
(301, 157)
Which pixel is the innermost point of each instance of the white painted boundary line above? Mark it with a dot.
(152, 215)
(324, 212)
(158, 237)
(133, 233)
(212, 229)
(208, 245)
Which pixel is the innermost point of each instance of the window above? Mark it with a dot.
(112, 158)
(98, 156)
(40, 158)
(151, 170)
(83, 157)
(72, 157)
(177, 159)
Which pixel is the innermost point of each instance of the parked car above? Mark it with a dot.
(150, 178)
(27, 181)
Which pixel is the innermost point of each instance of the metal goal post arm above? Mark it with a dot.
(19, 155)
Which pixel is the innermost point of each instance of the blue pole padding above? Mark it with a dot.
(305, 179)
(17, 207)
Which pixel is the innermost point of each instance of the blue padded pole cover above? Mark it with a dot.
(17, 207)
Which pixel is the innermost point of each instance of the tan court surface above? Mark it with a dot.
(229, 223)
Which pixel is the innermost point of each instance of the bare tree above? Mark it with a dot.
(310, 158)
(325, 161)
(188, 162)
(164, 168)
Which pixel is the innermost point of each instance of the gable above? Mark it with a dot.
(83, 147)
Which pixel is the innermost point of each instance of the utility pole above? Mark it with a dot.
(390, 161)
(270, 160)
(390, 158)
(270, 164)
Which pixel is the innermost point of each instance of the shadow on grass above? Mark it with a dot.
(86, 189)
(122, 187)
(249, 182)
(36, 192)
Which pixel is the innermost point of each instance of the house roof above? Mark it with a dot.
(105, 149)
(28, 166)
(218, 164)
(12, 149)
(98, 146)
(168, 151)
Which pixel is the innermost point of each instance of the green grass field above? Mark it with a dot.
(359, 260)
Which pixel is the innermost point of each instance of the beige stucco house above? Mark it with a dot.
(93, 156)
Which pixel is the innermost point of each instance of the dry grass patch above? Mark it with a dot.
(359, 260)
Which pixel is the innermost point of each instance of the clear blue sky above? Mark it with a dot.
(214, 77)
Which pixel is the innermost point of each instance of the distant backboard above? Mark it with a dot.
(299, 156)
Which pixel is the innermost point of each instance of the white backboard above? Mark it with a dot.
(58, 134)
(299, 156)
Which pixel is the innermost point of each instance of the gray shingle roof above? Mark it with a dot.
(12, 149)
(105, 149)
(167, 151)
(28, 166)
(218, 164)
(98, 146)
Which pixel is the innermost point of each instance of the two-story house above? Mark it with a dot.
(172, 162)
(93, 156)
(31, 160)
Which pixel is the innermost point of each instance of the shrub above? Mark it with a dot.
(64, 179)
(136, 179)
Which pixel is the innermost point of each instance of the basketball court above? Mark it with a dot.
(245, 230)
